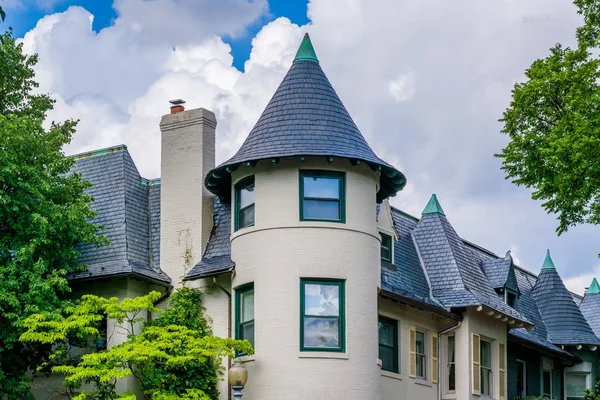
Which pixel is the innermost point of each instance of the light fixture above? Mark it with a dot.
(238, 376)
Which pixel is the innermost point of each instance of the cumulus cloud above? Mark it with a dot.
(425, 81)
(579, 284)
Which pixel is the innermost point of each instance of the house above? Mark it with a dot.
(300, 252)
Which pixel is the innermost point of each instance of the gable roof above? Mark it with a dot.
(128, 208)
(305, 117)
(590, 307)
(500, 272)
(563, 319)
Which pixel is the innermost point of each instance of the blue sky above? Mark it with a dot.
(24, 17)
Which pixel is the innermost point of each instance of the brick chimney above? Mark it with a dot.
(186, 207)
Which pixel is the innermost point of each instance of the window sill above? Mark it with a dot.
(423, 382)
(244, 359)
(322, 354)
(392, 375)
(449, 396)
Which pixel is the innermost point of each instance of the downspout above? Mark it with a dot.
(228, 294)
(440, 333)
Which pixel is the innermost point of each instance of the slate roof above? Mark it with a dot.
(590, 308)
(305, 117)
(453, 269)
(563, 319)
(217, 255)
(496, 271)
(129, 210)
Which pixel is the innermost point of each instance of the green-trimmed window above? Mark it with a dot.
(322, 327)
(244, 203)
(244, 313)
(386, 247)
(510, 297)
(322, 196)
(388, 344)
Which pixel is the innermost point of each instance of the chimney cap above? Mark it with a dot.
(177, 102)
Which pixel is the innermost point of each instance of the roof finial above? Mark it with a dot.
(508, 256)
(433, 207)
(306, 52)
(548, 264)
(594, 288)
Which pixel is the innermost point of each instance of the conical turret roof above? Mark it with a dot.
(590, 306)
(564, 321)
(305, 117)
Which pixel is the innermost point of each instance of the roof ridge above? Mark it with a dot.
(100, 152)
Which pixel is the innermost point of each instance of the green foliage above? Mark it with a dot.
(2, 14)
(174, 356)
(553, 125)
(44, 214)
(595, 393)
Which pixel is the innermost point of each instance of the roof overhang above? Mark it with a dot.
(510, 320)
(420, 305)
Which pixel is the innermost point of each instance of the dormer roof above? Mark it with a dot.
(305, 117)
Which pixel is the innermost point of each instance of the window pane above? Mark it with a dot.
(247, 304)
(321, 332)
(576, 384)
(246, 217)
(486, 354)
(420, 342)
(247, 195)
(386, 355)
(386, 333)
(247, 332)
(450, 349)
(452, 377)
(321, 209)
(321, 299)
(520, 378)
(486, 381)
(420, 366)
(547, 382)
(322, 187)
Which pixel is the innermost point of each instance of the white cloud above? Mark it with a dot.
(578, 284)
(464, 55)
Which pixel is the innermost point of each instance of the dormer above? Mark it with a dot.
(387, 231)
(500, 273)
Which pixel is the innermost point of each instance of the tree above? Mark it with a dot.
(173, 357)
(44, 214)
(553, 124)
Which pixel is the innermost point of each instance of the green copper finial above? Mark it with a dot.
(306, 52)
(433, 207)
(508, 256)
(548, 264)
(594, 288)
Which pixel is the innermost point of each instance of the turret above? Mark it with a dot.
(305, 244)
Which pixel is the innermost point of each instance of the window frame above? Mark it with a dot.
(423, 355)
(448, 364)
(342, 192)
(239, 291)
(390, 246)
(395, 347)
(588, 381)
(340, 283)
(490, 368)
(544, 394)
(239, 186)
(507, 292)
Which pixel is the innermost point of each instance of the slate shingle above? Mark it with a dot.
(590, 308)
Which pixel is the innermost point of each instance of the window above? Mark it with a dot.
(547, 383)
(420, 355)
(322, 311)
(521, 378)
(388, 344)
(244, 313)
(510, 298)
(576, 385)
(322, 196)
(244, 203)
(486, 368)
(451, 365)
(386, 247)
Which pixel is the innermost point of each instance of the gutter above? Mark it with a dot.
(440, 333)
(228, 294)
